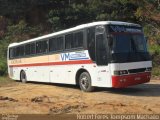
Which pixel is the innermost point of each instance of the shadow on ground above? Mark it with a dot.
(146, 90)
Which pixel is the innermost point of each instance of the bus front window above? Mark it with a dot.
(126, 43)
(128, 47)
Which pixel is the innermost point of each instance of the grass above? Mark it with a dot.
(156, 71)
(5, 80)
(155, 51)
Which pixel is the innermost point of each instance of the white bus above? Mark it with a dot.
(99, 54)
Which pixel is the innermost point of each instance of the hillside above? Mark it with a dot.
(22, 20)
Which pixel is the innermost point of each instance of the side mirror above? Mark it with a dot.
(146, 38)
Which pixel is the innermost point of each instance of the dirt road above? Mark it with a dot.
(34, 98)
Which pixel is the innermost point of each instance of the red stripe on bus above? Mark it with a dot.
(54, 63)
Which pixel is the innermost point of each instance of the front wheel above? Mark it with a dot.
(85, 82)
(23, 77)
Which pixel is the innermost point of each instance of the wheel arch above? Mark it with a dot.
(20, 73)
(78, 73)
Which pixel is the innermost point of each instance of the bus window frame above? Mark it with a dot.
(41, 53)
(76, 48)
(56, 51)
(84, 45)
(30, 49)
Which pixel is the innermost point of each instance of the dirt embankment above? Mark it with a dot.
(35, 98)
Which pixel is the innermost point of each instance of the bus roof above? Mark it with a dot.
(76, 28)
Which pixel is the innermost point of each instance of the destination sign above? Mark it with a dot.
(118, 28)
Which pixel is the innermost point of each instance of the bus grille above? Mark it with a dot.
(137, 70)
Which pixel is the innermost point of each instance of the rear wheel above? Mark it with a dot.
(23, 77)
(85, 82)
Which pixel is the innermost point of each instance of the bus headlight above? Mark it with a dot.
(120, 72)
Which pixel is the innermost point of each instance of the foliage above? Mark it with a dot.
(16, 33)
(156, 71)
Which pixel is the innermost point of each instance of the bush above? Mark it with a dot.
(16, 33)
(155, 52)
(3, 67)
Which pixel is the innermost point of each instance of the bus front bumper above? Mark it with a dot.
(129, 80)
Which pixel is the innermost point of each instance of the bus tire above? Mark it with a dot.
(85, 82)
(23, 77)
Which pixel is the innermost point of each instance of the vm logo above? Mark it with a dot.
(65, 56)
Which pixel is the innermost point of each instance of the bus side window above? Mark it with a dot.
(33, 48)
(38, 47)
(60, 43)
(19, 51)
(30, 49)
(52, 44)
(78, 40)
(56, 44)
(11, 53)
(22, 50)
(42, 46)
(14, 52)
(27, 49)
(68, 41)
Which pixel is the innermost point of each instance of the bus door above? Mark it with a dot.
(103, 69)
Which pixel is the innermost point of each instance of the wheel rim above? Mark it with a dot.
(84, 82)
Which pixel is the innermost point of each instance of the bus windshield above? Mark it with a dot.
(125, 43)
(129, 44)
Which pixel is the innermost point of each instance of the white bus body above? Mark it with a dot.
(37, 60)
